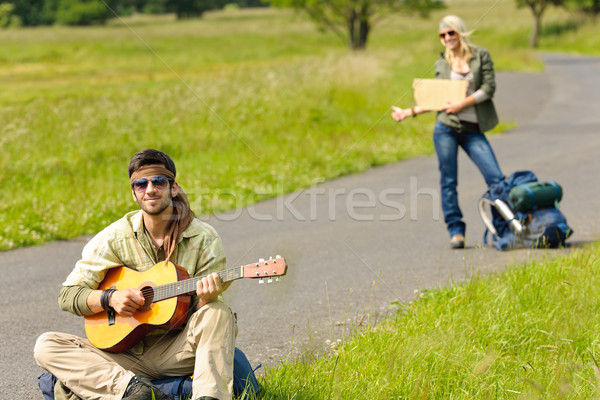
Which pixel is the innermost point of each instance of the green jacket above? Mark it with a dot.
(482, 67)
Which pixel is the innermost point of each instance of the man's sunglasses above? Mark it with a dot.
(449, 33)
(159, 182)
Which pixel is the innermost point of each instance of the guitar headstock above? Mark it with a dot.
(265, 269)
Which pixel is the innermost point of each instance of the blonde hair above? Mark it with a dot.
(466, 48)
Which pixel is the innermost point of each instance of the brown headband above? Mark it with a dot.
(151, 170)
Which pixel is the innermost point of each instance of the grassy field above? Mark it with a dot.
(531, 332)
(250, 104)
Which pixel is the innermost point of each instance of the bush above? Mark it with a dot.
(75, 12)
(7, 16)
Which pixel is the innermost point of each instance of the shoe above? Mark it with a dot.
(140, 388)
(457, 242)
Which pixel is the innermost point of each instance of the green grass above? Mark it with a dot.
(250, 104)
(531, 332)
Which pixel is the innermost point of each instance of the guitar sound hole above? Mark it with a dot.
(148, 293)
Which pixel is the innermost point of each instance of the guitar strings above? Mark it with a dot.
(173, 289)
(176, 288)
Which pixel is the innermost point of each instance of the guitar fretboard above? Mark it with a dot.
(186, 286)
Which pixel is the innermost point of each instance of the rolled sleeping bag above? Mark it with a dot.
(533, 196)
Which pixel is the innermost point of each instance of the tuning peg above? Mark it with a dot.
(277, 279)
(260, 260)
(261, 281)
(277, 256)
(270, 280)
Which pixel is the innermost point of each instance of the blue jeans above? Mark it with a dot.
(474, 143)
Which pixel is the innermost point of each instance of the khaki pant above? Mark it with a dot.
(205, 348)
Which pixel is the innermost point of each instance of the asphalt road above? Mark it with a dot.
(355, 244)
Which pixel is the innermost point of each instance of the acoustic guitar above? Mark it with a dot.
(167, 289)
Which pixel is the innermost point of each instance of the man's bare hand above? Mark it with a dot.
(209, 288)
(126, 301)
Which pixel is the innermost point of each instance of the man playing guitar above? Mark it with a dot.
(164, 229)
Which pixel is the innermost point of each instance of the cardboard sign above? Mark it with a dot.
(433, 94)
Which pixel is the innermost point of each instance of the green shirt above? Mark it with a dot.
(125, 243)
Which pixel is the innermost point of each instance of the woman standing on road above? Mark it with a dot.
(462, 123)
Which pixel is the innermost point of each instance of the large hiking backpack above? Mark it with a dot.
(536, 222)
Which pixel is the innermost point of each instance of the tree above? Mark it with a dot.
(589, 7)
(537, 8)
(193, 8)
(8, 17)
(32, 12)
(352, 20)
(82, 12)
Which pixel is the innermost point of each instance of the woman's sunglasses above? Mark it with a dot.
(449, 33)
(159, 182)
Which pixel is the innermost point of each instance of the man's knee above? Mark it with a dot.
(215, 310)
(51, 344)
(212, 316)
(42, 347)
